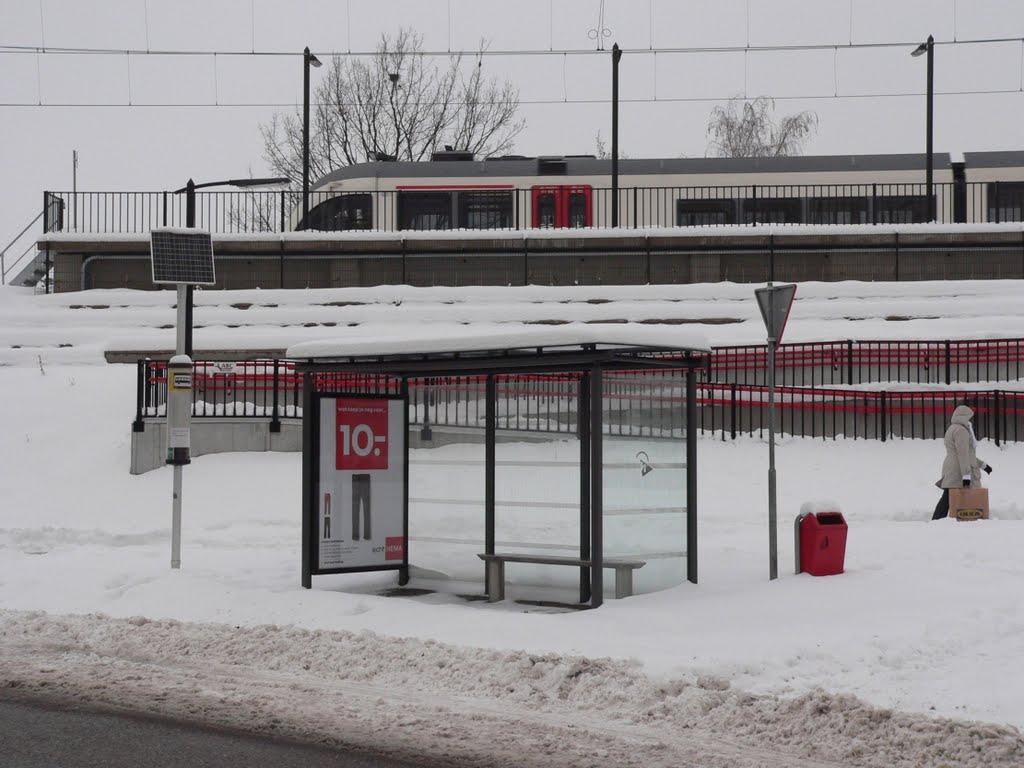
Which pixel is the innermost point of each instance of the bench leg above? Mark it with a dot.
(495, 581)
(623, 583)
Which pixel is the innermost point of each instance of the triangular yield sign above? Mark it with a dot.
(775, 302)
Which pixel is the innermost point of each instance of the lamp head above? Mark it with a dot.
(922, 48)
(311, 58)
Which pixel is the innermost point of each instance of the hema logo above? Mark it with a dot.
(394, 548)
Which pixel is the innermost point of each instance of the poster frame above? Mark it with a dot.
(311, 479)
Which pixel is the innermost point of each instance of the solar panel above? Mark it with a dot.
(182, 256)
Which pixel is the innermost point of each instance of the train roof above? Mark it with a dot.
(590, 166)
(1003, 159)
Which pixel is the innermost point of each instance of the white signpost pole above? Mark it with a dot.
(774, 302)
(179, 349)
(183, 258)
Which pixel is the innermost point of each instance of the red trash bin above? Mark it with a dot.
(822, 543)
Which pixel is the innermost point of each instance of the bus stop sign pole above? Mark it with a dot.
(774, 302)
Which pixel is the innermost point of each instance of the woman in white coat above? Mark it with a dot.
(961, 468)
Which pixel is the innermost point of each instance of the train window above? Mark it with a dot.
(545, 211)
(773, 210)
(424, 210)
(1005, 201)
(578, 210)
(705, 213)
(343, 212)
(901, 209)
(838, 210)
(485, 210)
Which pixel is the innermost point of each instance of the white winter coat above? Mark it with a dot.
(961, 457)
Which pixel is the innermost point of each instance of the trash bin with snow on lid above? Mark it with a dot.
(822, 543)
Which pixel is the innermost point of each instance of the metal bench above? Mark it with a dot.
(495, 565)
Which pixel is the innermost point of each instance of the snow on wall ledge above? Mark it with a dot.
(738, 230)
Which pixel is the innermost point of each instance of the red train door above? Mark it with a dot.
(562, 207)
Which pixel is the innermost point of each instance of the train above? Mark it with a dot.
(455, 190)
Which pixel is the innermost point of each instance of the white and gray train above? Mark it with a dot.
(456, 191)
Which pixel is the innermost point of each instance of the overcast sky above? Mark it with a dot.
(145, 147)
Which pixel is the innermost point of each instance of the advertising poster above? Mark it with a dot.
(361, 488)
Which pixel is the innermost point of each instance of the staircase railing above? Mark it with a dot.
(8, 266)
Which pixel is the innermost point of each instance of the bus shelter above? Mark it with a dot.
(583, 415)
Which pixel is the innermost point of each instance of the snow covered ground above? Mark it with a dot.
(910, 658)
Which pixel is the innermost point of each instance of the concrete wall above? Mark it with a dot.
(149, 448)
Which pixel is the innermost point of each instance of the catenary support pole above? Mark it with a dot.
(773, 536)
(616, 55)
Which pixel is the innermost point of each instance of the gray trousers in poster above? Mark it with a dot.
(361, 498)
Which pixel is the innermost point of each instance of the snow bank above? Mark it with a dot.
(438, 701)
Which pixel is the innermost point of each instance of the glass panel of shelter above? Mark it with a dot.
(644, 476)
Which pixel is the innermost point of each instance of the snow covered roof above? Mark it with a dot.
(469, 339)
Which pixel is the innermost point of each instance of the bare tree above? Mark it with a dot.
(749, 129)
(398, 103)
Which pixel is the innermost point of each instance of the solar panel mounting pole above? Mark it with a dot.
(182, 258)
(179, 350)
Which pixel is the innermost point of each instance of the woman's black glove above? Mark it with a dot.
(988, 469)
(967, 483)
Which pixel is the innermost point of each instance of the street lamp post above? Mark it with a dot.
(190, 221)
(928, 47)
(307, 59)
(616, 55)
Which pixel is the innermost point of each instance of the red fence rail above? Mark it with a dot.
(637, 403)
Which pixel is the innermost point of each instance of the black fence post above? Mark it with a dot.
(647, 263)
(997, 432)
(405, 280)
(275, 418)
(282, 211)
(884, 429)
(526, 262)
(948, 366)
(849, 361)
(896, 248)
(732, 410)
(140, 392)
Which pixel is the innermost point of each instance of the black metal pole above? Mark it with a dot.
(596, 488)
(583, 428)
(310, 421)
(490, 456)
(928, 147)
(691, 475)
(190, 222)
(305, 138)
(616, 55)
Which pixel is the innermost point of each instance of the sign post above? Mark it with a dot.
(183, 258)
(774, 303)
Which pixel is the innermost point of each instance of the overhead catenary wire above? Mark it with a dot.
(39, 51)
(522, 102)
(65, 50)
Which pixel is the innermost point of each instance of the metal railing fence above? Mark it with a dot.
(637, 403)
(276, 211)
(865, 362)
